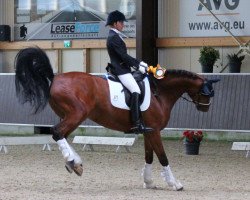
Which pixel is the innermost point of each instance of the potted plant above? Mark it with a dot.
(234, 62)
(208, 56)
(192, 140)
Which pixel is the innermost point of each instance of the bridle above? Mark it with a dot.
(206, 90)
(197, 102)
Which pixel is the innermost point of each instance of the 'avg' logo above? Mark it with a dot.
(216, 4)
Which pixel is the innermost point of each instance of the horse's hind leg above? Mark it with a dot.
(60, 132)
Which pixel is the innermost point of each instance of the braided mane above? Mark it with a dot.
(181, 74)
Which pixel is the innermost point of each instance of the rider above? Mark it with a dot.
(121, 63)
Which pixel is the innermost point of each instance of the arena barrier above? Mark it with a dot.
(228, 111)
(117, 141)
(243, 146)
(85, 140)
(41, 140)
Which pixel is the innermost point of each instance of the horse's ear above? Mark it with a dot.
(207, 88)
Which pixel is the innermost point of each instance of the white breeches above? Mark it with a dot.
(129, 82)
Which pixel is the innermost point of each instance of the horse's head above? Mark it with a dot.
(202, 99)
(175, 83)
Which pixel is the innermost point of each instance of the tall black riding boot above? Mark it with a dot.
(138, 126)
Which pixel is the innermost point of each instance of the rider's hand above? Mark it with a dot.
(143, 64)
(143, 67)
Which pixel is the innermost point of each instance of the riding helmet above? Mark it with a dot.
(115, 16)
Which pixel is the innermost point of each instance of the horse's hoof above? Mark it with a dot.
(149, 185)
(71, 166)
(179, 189)
(178, 186)
(78, 169)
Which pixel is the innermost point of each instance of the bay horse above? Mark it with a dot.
(76, 96)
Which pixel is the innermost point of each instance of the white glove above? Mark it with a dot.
(143, 67)
(143, 64)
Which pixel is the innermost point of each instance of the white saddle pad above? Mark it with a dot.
(117, 96)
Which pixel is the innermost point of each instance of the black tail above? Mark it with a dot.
(34, 76)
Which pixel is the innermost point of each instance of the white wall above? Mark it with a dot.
(186, 57)
(72, 60)
(99, 59)
(53, 57)
(168, 19)
(7, 60)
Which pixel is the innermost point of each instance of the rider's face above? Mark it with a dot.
(119, 25)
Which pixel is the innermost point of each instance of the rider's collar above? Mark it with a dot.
(119, 33)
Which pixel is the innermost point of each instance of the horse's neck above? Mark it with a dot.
(173, 88)
(168, 97)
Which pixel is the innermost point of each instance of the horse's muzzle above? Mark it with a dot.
(202, 108)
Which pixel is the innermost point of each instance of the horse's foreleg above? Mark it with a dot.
(170, 179)
(154, 139)
(147, 169)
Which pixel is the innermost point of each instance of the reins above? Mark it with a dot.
(197, 102)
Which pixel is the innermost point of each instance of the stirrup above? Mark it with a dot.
(141, 129)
